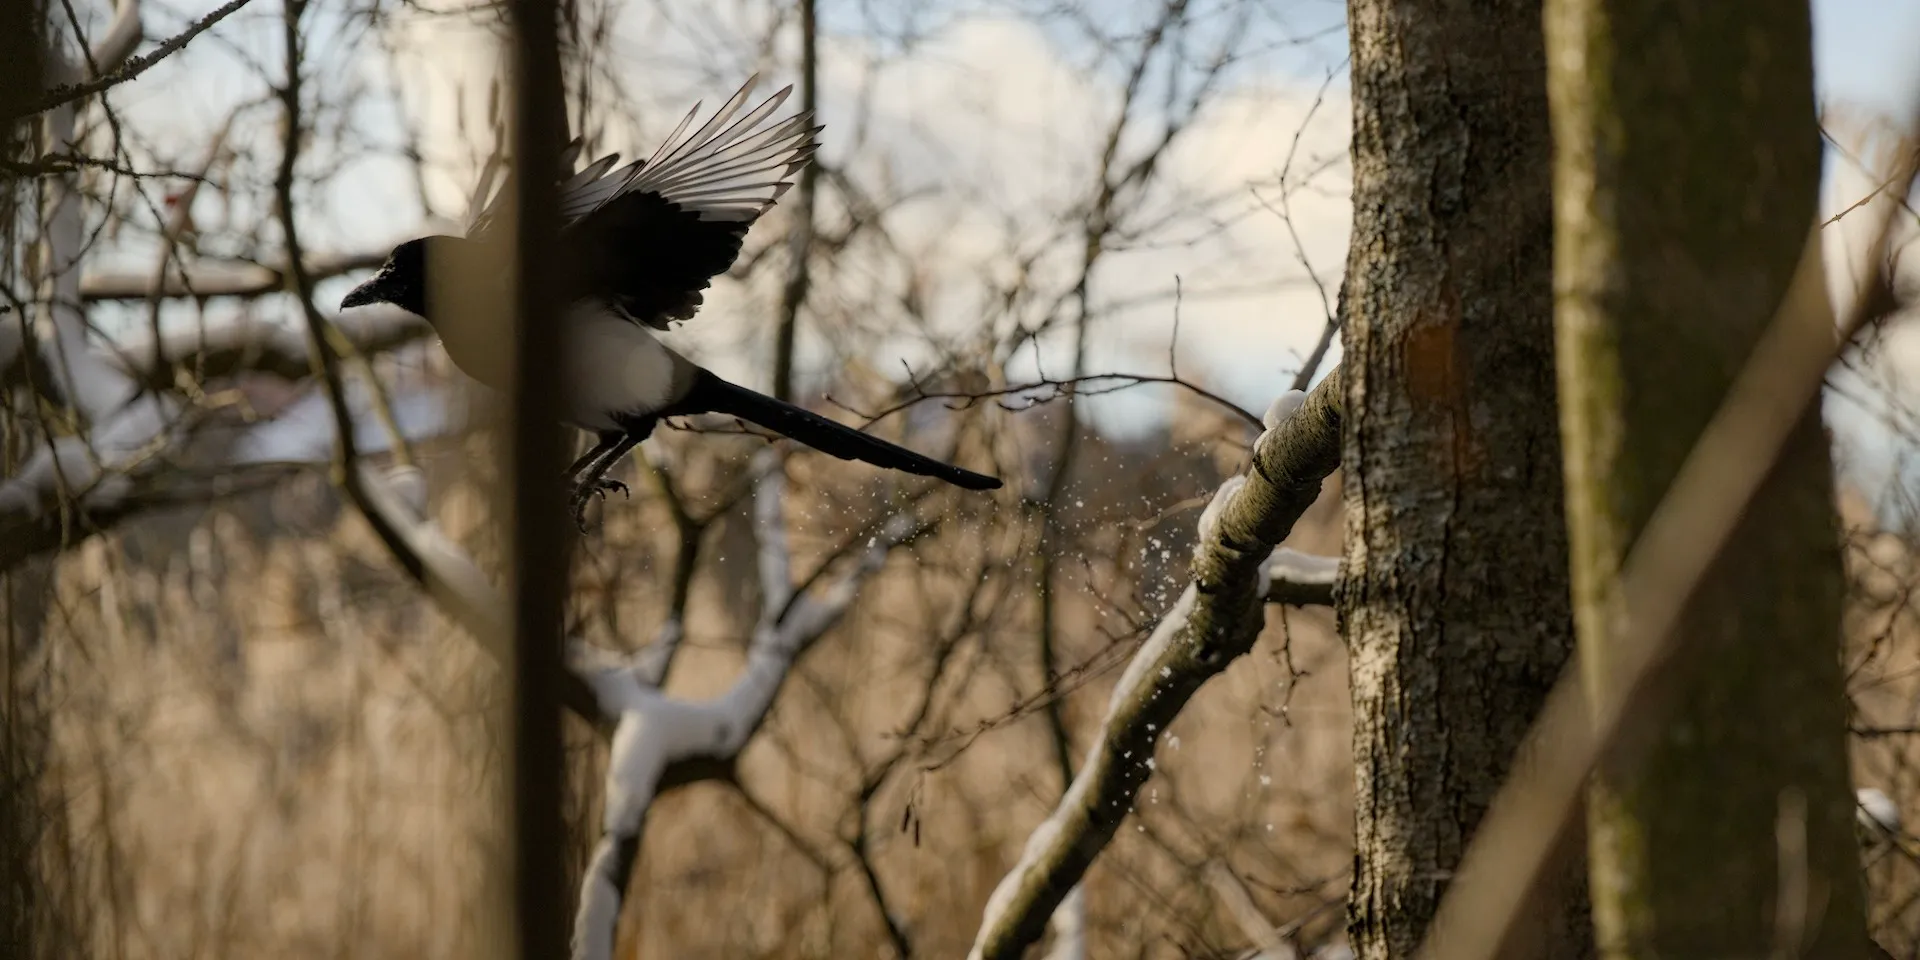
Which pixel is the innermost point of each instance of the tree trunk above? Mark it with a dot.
(1688, 167)
(26, 916)
(1455, 606)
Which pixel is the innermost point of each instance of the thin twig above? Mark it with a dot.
(68, 93)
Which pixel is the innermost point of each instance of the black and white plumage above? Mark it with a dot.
(637, 248)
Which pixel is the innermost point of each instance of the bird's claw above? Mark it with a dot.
(589, 489)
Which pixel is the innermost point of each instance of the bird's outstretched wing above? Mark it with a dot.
(649, 237)
(496, 181)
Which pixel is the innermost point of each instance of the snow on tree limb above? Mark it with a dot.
(123, 423)
(1301, 579)
(1215, 620)
(135, 449)
(654, 732)
(1069, 925)
(150, 457)
(213, 279)
(246, 344)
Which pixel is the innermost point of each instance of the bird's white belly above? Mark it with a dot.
(613, 368)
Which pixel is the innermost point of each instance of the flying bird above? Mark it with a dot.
(637, 247)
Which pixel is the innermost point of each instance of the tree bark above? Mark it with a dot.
(1687, 172)
(1456, 601)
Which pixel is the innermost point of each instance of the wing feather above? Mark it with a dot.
(648, 237)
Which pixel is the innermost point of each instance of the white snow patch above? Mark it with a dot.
(1283, 407)
(1210, 517)
(1294, 566)
(1877, 810)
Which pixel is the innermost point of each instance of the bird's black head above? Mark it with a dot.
(402, 280)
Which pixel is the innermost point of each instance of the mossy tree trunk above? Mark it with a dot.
(1687, 165)
(1456, 603)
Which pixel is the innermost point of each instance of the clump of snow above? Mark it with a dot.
(409, 486)
(1877, 810)
(1293, 565)
(1282, 407)
(1210, 517)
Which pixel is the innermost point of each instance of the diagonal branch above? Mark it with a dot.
(1213, 622)
(67, 93)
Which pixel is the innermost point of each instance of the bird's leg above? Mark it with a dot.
(606, 439)
(592, 480)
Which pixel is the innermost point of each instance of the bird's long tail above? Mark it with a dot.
(710, 394)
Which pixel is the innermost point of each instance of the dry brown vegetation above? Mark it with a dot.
(263, 740)
(266, 741)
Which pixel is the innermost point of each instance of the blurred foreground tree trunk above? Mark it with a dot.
(1687, 172)
(1455, 606)
(24, 591)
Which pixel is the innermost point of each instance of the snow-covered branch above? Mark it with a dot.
(656, 734)
(243, 343)
(1301, 579)
(207, 280)
(138, 462)
(82, 377)
(135, 449)
(1215, 620)
(1069, 926)
(125, 426)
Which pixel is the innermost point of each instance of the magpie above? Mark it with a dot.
(637, 247)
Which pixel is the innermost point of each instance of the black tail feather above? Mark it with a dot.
(710, 394)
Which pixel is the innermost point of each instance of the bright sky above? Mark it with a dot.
(1865, 50)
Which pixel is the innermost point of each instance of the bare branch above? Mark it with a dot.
(68, 93)
(1214, 621)
(1233, 894)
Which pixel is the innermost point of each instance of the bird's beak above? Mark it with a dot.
(376, 290)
